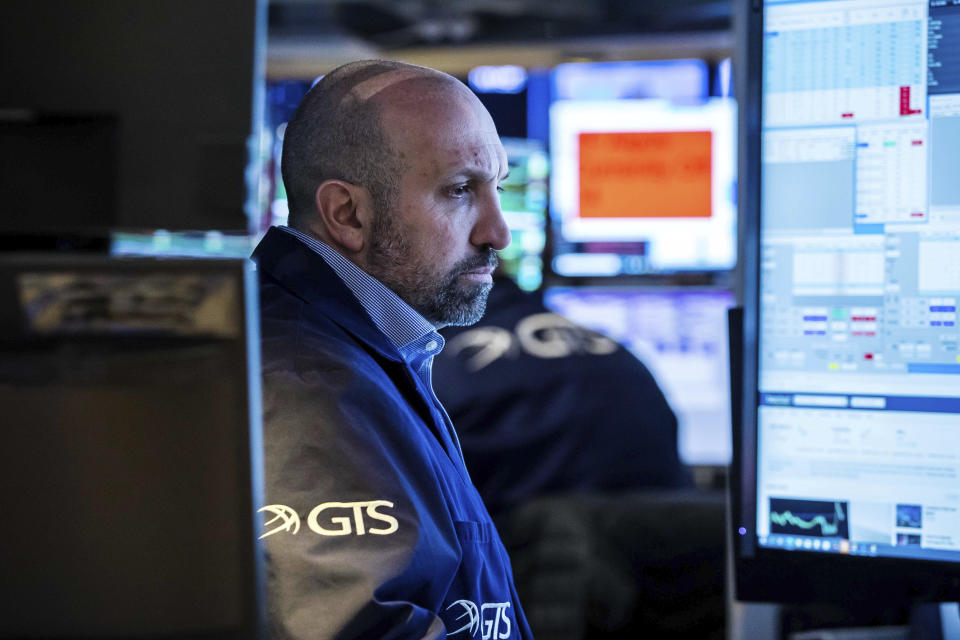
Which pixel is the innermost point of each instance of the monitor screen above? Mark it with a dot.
(681, 336)
(524, 204)
(643, 186)
(503, 91)
(854, 417)
(859, 416)
(182, 244)
(676, 80)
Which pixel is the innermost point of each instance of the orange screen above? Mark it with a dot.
(662, 174)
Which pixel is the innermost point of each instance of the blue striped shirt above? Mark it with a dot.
(413, 335)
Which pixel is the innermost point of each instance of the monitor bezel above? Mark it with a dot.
(771, 575)
(243, 350)
(701, 114)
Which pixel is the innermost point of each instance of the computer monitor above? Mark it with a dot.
(680, 335)
(131, 459)
(723, 80)
(182, 244)
(523, 201)
(847, 453)
(138, 115)
(502, 89)
(642, 186)
(680, 80)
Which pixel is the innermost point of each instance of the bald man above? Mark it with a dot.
(372, 526)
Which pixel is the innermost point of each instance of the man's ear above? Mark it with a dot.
(342, 208)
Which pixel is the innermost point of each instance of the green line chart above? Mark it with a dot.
(818, 518)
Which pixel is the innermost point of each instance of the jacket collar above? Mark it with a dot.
(307, 275)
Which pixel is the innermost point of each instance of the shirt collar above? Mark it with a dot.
(410, 332)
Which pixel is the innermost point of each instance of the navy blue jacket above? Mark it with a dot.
(544, 406)
(373, 528)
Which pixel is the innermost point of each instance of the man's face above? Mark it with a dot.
(435, 244)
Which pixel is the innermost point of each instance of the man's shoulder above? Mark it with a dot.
(288, 269)
(291, 327)
(322, 383)
(313, 341)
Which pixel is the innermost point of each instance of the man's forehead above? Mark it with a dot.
(470, 158)
(424, 110)
(417, 111)
(460, 130)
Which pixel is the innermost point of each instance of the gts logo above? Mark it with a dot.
(332, 519)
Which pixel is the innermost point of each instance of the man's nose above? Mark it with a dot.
(491, 228)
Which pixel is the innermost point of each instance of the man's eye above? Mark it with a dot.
(460, 190)
(499, 189)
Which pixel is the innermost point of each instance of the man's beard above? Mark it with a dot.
(440, 298)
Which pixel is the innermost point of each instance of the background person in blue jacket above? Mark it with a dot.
(573, 447)
(372, 526)
(544, 406)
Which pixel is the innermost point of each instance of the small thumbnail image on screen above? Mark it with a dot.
(910, 516)
(908, 539)
(817, 518)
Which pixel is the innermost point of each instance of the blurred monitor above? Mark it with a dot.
(128, 114)
(524, 204)
(131, 460)
(723, 80)
(503, 91)
(283, 97)
(676, 80)
(182, 244)
(642, 186)
(681, 336)
(76, 152)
